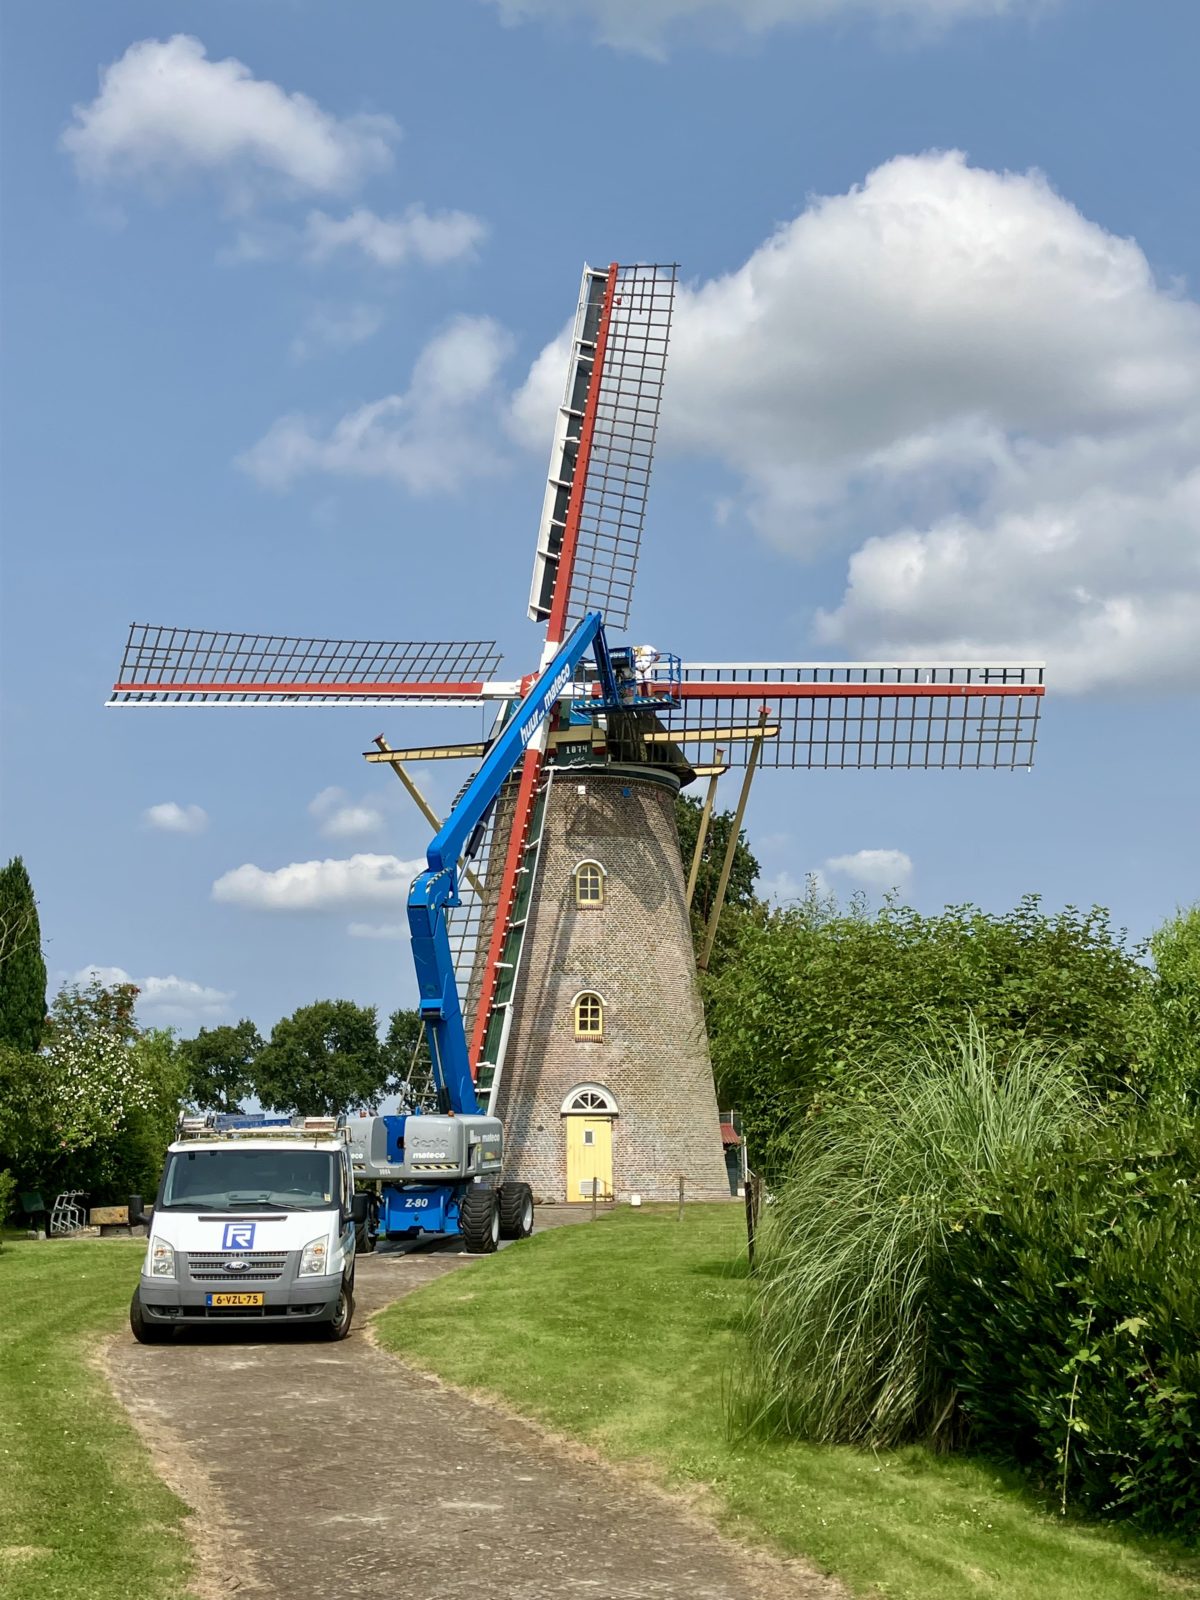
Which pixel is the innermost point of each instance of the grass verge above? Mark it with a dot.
(82, 1515)
(621, 1334)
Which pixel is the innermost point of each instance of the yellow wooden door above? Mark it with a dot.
(589, 1155)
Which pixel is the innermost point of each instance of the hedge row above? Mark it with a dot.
(1069, 1321)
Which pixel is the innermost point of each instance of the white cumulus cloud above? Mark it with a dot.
(341, 818)
(648, 26)
(165, 111)
(165, 1002)
(873, 869)
(352, 822)
(418, 234)
(329, 328)
(425, 439)
(359, 882)
(997, 387)
(170, 817)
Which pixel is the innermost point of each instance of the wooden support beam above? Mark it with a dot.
(717, 769)
(392, 757)
(685, 735)
(428, 752)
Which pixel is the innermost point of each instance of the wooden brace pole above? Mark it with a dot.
(702, 835)
(714, 916)
(423, 805)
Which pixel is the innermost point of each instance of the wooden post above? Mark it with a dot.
(595, 1196)
(702, 835)
(714, 916)
(750, 1219)
(679, 1218)
(423, 805)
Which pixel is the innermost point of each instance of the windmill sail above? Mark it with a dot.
(595, 504)
(861, 714)
(197, 666)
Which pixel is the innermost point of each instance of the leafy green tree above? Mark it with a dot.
(1175, 1006)
(22, 969)
(323, 1059)
(220, 1065)
(136, 1159)
(744, 872)
(805, 996)
(26, 1112)
(95, 1108)
(405, 1033)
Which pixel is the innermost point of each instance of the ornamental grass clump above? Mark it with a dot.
(838, 1347)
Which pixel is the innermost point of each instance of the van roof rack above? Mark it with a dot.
(258, 1125)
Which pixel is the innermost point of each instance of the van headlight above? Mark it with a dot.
(314, 1258)
(160, 1262)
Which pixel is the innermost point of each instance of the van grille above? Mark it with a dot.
(208, 1266)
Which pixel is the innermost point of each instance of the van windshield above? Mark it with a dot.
(218, 1180)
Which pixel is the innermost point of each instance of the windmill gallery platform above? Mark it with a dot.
(573, 953)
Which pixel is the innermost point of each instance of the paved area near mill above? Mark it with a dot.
(331, 1470)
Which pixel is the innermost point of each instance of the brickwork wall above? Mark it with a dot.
(636, 952)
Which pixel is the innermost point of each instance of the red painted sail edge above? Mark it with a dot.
(449, 690)
(556, 623)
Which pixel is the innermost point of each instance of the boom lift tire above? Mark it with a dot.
(479, 1219)
(516, 1211)
(143, 1330)
(365, 1234)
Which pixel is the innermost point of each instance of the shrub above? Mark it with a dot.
(1070, 1323)
(8, 1186)
(804, 995)
(1175, 1009)
(838, 1346)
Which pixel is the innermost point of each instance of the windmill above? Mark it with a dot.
(574, 949)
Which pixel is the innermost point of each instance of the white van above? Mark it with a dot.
(254, 1222)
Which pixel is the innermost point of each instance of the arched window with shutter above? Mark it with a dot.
(589, 885)
(588, 1008)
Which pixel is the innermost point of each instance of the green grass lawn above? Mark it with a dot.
(622, 1333)
(82, 1515)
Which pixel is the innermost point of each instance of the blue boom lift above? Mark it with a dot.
(442, 1172)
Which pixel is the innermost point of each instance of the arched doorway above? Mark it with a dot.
(588, 1113)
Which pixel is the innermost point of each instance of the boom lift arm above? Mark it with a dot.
(435, 890)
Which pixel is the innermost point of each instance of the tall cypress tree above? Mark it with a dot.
(22, 970)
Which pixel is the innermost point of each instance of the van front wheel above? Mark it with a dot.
(343, 1316)
(145, 1331)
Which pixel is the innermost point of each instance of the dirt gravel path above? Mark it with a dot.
(318, 1470)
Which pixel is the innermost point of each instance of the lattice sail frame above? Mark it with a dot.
(198, 666)
(591, 530)
(839, 715)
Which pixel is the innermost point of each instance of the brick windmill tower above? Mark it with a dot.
(574, 947)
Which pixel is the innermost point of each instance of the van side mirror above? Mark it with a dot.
(137, 1217)
(360, 1208)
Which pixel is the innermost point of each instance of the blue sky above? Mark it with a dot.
(275, 290)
